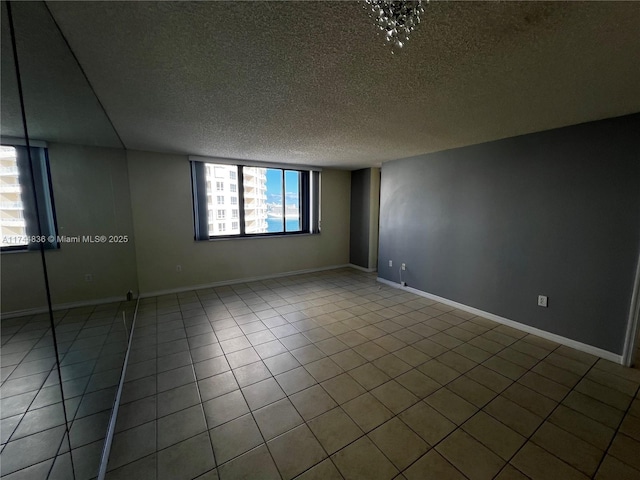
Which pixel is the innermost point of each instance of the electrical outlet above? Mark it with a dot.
(391, 263)
(88, 277)
(178, 268)
(404, 266)
(542, 301)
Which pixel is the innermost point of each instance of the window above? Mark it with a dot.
(26, 206)
(221, 227)
(220, 199)
(220, 186)
(271, 201)
(220, 215)
(233, 188)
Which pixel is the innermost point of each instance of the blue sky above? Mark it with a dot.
(274, 186)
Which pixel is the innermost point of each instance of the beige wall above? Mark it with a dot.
(161, 200)
(91, 196)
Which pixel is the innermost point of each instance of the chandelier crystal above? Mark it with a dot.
(395, 20)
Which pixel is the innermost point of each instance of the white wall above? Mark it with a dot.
(161, 199)
(91, 196)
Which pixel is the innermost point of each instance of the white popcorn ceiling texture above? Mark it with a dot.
(311, 83)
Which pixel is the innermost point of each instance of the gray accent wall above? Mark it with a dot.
(360, 213)
(494, 225)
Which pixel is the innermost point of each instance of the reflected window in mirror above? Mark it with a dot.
(27, 213)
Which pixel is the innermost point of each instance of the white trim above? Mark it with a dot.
(634, 321)
(583, 347)
(362, 269)
(235, 281)
(253, 163)
(64, 306)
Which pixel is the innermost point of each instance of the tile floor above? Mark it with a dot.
(91, 345)
(333, 375)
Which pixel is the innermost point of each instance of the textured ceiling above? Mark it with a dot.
(311, 83)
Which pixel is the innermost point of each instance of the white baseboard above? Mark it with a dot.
(63, 306)
(235, 281)
(362, 269)
(583, 347)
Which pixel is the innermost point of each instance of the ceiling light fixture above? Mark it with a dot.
(395, 20)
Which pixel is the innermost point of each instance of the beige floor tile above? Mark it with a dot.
(262, 393)
(528, 348)
(363, 460)
(186, 460)
(295, 451)
(277, 418)
(399, 443)
(369, 376)
(631, 427)
(469, 456)
(538, 464)
(370, 351)
(461, 333)
(242, 357)
(394, 396)
(308, 354)
(433, 466)
(179, 426)
(498, 337)
(342, 388)
(352, 339)
(418, 383)
(429, 348)
(529, 399)
(493, 434)
(334, 429)
(348, 359)
(217, 385)
(583, 427)
(412, 356)
(509, 472)
(256, 464)
(440, 372)
(490, 379)
(127, 446)
(543, 385)
(574, 451)
(603, 377)
(281, 363)
(486, 345)
(562, 361)
(323, 369)
(452, 406)
(235, 438)
(472, 353)
(513, 415)
(626, 449)
(457, 362)
(390, 343)
(392, 365)
(325, 470)
(519, 358)
(605, 394)
(594, 409)
(471, 391)
(427, 422)
(295, 380)
(557, 374)
(574, 354)
(331, 346)
(224, 408)
(367, 411)
(614, 469)
(270, 349)
(446, 340)
(505, 367)
(312, 402)
(252, 373)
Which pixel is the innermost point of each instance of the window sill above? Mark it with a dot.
(258, 236)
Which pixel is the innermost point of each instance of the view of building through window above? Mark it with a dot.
(12, 222)
(265, 209)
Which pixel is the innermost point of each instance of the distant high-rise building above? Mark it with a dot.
(223, 199)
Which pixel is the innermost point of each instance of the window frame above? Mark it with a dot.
(309, 199)
(35, 159)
